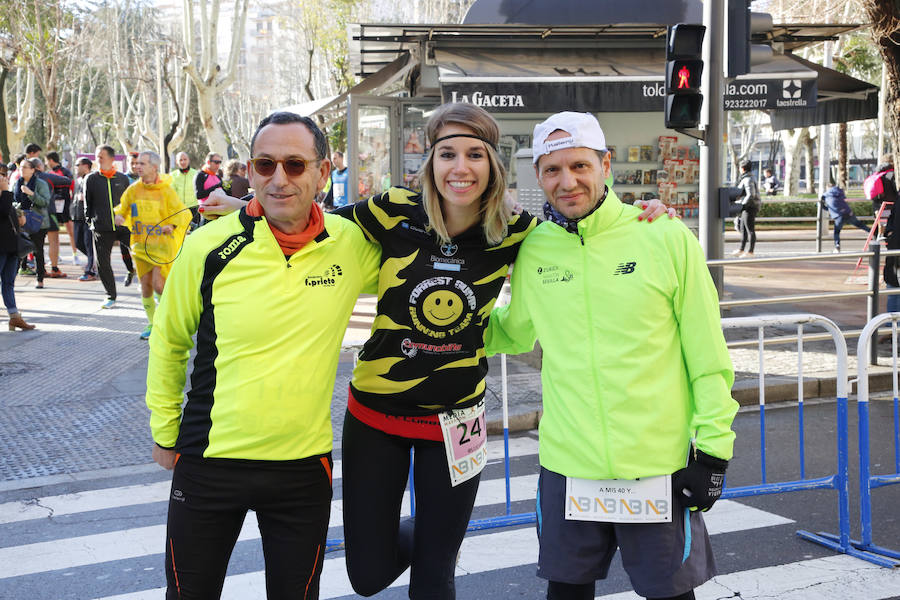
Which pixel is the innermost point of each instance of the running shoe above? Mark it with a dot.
(108, 304)
(55, 273)
(88, 277)
(129, 278)
(39, 285)
(145, 334)
(27, 271)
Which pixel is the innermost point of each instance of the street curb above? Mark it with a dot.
(779, 388)
(521, 422)
(782, 388)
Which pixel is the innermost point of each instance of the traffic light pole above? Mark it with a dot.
(711, 226)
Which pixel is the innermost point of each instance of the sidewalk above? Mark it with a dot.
(71, 391)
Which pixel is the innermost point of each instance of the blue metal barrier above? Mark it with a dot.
(867, 481)
(839, 481)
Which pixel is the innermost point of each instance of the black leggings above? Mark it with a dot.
(585, 591)
(208, 502)
(37, 238)
(748, 228)
(104, 241)
(380, 547)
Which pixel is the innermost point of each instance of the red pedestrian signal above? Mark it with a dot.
(684, 78)
(684, 70)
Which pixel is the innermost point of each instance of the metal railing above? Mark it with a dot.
(839, 480)
(868, 482)
(872, 293)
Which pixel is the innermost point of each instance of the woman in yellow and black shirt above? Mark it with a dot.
(445, 255)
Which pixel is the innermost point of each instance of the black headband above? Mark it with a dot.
(468, 135)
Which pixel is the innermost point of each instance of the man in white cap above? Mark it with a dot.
(636, 431)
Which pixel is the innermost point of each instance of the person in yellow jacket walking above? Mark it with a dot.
(157, 218)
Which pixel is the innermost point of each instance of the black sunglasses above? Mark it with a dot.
(293, 167)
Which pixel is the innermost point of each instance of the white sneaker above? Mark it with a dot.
(75, 260)
(737, 252)
(746, 255)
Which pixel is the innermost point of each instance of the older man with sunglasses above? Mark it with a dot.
(268, 292)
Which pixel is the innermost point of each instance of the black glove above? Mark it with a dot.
(700, 483)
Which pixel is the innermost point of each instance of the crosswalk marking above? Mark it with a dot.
(479, 554)
(131, 543)
(836, 577)
(67, 504)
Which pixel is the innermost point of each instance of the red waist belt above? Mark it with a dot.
(424, 427)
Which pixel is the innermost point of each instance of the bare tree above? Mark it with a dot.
(202, 64)
(885, 18)
(45, 37)
(743, 128)
(241, 113)
(21, 114)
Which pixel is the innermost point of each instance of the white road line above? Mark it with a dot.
(102, 499)
(130, 543)
(837, 577)
(479, 554)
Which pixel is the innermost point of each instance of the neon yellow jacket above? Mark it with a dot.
(634, 363)
(184, 186)
(148, 208)
(268, 332)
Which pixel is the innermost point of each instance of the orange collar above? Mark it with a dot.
(110, 173)
(292, 242)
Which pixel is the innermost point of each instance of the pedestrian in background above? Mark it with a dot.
(234, 183)
(10, 226)
(84, 239)
(183, 181)
(102, 191)
(750, 203)
(150, 208)
(33, 193)
(770, 183)
(209, 178)
(840, 211)
(60, 180)
(888, 193)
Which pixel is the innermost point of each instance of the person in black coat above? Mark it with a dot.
(9, 258)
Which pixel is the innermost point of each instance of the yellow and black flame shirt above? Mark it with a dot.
(426, 351)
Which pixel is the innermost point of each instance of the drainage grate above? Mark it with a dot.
(16, 368)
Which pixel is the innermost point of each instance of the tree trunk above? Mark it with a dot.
(206, 102)
(842, 156)
(4, 147)
(886, 31)
(809, 152)
(793, 145)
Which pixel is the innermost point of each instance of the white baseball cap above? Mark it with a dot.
(583, 129)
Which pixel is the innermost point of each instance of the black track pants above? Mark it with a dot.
(207, 505)
(379, 547)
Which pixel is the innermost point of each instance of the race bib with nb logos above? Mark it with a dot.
(465, 440)
(646, 500)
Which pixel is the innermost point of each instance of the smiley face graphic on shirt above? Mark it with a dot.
(441, 306)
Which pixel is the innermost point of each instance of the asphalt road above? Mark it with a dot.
(103, 537)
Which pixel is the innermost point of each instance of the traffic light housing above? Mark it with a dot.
(684, 69)
(741, 25)
(728, 206)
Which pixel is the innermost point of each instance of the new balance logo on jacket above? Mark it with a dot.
(625, 268)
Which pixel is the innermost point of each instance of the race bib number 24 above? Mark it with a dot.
(465, 440)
